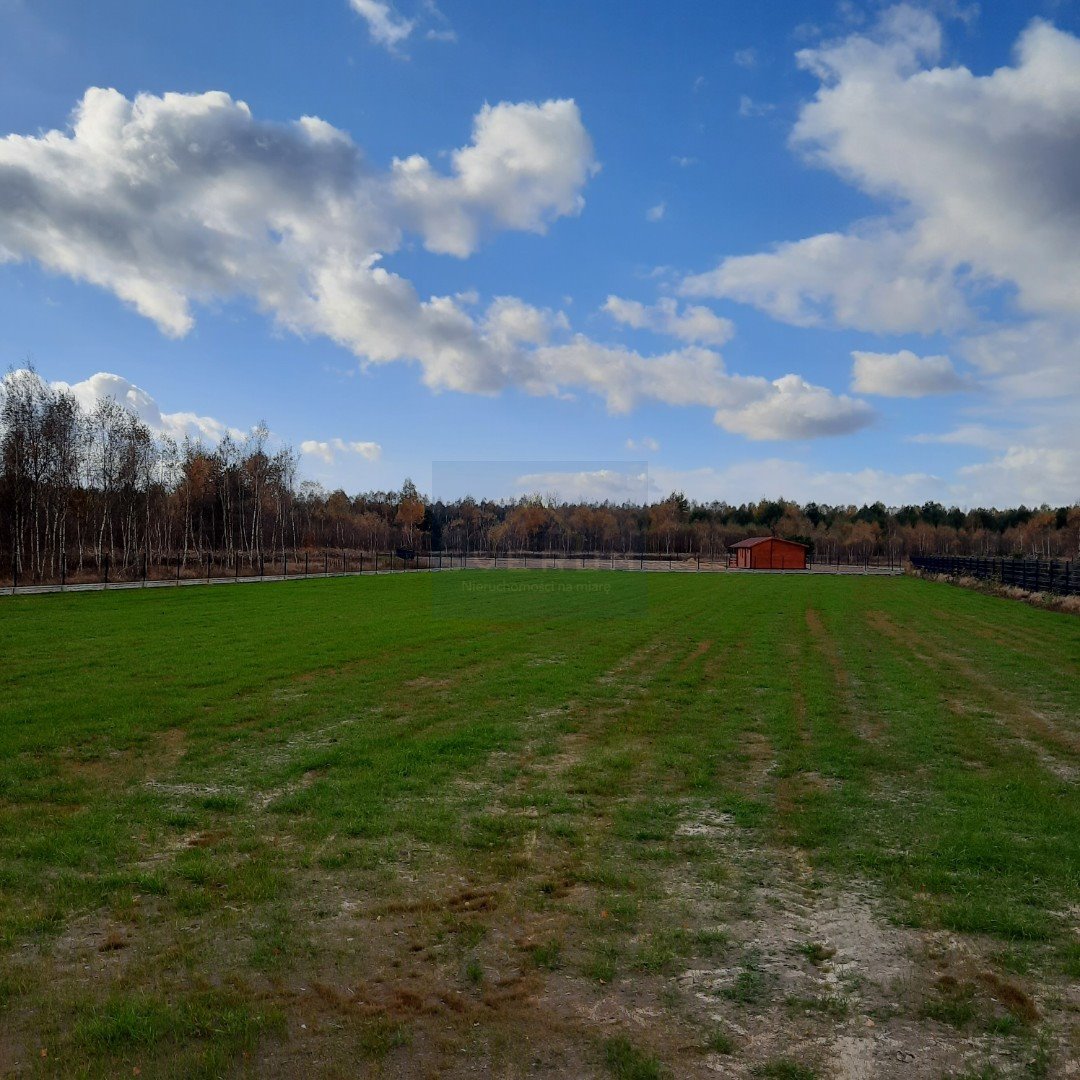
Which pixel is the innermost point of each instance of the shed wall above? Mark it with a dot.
(774, 555)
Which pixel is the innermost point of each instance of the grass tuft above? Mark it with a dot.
(625, 1062)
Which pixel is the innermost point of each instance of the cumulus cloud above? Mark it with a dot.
(1033, 473)
(981, 170)
(1025, 473)
(750, 405)
(774, 478)
(174, 200)
(385, 25)
(792, 408)
(657, 212)
(747, 481)
(645, 443)
(903, 374)
(977, 176)
(1032, 359)
(526, 166)
(328, 449)
(876, 282)
(587, 485)
(177, 425)
(694, 324)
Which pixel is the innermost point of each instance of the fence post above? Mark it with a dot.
(343, 568)
(208, 568)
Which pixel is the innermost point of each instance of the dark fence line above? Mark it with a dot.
(1034, 575)
(218, 566)
(189, 569)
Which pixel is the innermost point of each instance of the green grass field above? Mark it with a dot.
(778, 826)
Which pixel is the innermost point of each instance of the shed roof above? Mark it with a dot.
(753, 541)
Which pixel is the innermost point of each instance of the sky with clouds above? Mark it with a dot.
(816, 250)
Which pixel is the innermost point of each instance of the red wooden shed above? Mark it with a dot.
(768, 553)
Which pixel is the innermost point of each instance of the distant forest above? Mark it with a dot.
(80, 487)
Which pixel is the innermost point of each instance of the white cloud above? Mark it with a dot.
(645, 443)
(903, 374)
(167, 201)
(965, 435)
(694, 324)
(774, 478)
(746, 58)
(592, 485)
(683, 161)
(748, 107)
(1026, 473)
(978, 176)
(442, 30)
(741, 482)
(786, 408)
(385, 25)
(795, 409)
(981, 169)
(875, 282)
(328, 449)
(657, 212)
(1034, 359)
(526, 166)
(984, 164)
(993, 484)
(183, 199)
(177, 425)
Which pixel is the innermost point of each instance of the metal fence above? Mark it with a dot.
(1035, 575)
(221, 567)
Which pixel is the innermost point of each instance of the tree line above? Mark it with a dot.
(81, 488)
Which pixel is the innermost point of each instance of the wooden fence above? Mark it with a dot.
(1035, 575)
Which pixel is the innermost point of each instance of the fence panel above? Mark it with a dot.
(1035, 575)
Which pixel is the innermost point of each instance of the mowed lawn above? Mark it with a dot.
(766, 826)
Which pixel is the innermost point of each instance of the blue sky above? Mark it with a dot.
(818, 250)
